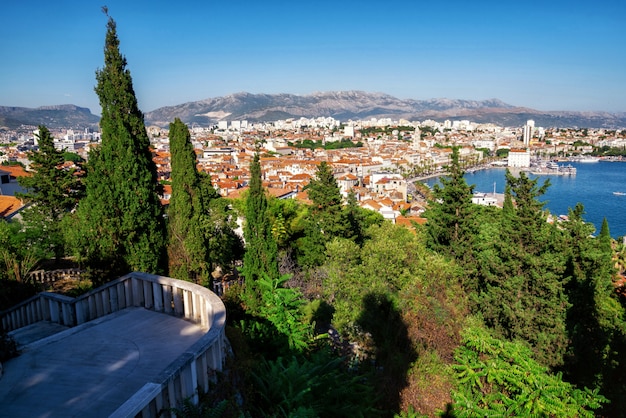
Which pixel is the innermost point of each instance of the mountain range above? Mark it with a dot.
(341, 105)
(60, 116)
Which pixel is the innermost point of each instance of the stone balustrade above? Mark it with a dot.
(190, 373)
(51, 276)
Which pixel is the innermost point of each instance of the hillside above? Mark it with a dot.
(343, 105)
(356, 105)
(60, 116)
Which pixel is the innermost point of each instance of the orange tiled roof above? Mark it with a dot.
(15, 170)
(8, 205)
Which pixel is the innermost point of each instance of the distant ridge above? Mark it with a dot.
(58, 116)
(355, 105)
(341, 105)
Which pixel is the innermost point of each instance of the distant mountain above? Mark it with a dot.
(60, 116)
(341, 105)
(345, 105)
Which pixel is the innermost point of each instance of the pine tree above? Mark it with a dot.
(521, 289)
(596, 323)
(52, 192)
(451, 214)
(120, 223)
(260, 258)
(187, 215)
(326, 197)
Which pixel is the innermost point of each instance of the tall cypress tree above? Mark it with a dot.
(187, 247)
(260, 258)
(120, 222)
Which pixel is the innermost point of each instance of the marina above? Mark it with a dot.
(552, 168)
(598, 186)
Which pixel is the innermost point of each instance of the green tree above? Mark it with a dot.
(451, 216)
(325, 221)
(120, 225)
(520, 290)
(52, 192)
(187, 249)
(357, 220)
(260, 258)
(326, 197)
(595, 319)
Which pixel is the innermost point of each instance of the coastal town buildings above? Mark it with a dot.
(379, 166)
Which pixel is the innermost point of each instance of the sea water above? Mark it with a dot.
(593, 185)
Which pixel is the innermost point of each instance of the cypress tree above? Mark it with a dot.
(120, 224)
(187, 247)
(260, 258)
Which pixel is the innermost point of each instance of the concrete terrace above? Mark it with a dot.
(136, 359)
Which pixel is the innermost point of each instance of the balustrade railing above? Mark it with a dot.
(182, 379)
(51, 276)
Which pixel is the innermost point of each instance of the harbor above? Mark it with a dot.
(551, 168)
(598, 186)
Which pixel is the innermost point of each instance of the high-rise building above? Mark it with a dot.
(417, 137)
(528, 131)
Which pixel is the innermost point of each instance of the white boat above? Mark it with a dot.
(587, 160)
(552, 165)
(619, 193)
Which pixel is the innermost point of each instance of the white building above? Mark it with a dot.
(519, 158)
(529, 129)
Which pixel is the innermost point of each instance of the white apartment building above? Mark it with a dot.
(519, 158)
(529, 129)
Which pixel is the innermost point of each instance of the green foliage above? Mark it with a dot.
(502, 152)
(595, 319)
(451, 216)
(318, 386)
(224, 246)
(319, 144)
(500, 378)
(260, 258)
(324, 221)
(520, 282)
(188, 254)
(190, 410)
(52, 192)
(20, 251)
(283, 308)
(73, 157)
(119, 225)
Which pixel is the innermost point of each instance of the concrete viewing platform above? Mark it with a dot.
(91, 369)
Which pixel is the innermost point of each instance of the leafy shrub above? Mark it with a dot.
(501, 378)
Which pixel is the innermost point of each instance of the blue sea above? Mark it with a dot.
(593, 186)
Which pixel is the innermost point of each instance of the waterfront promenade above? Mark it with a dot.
(91, 369)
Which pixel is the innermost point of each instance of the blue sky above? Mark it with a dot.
(546, 55)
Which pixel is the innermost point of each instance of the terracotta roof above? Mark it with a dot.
(9, 205)
(407, 221)
(278, 192)
(15, 170)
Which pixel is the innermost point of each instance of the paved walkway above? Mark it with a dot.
(90, 370)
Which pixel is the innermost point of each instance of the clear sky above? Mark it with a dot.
(547, 55)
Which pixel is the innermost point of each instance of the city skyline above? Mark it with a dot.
(554, 56)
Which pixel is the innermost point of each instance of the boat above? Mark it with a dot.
(552, 165)
(619, 193)
(587, 159)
